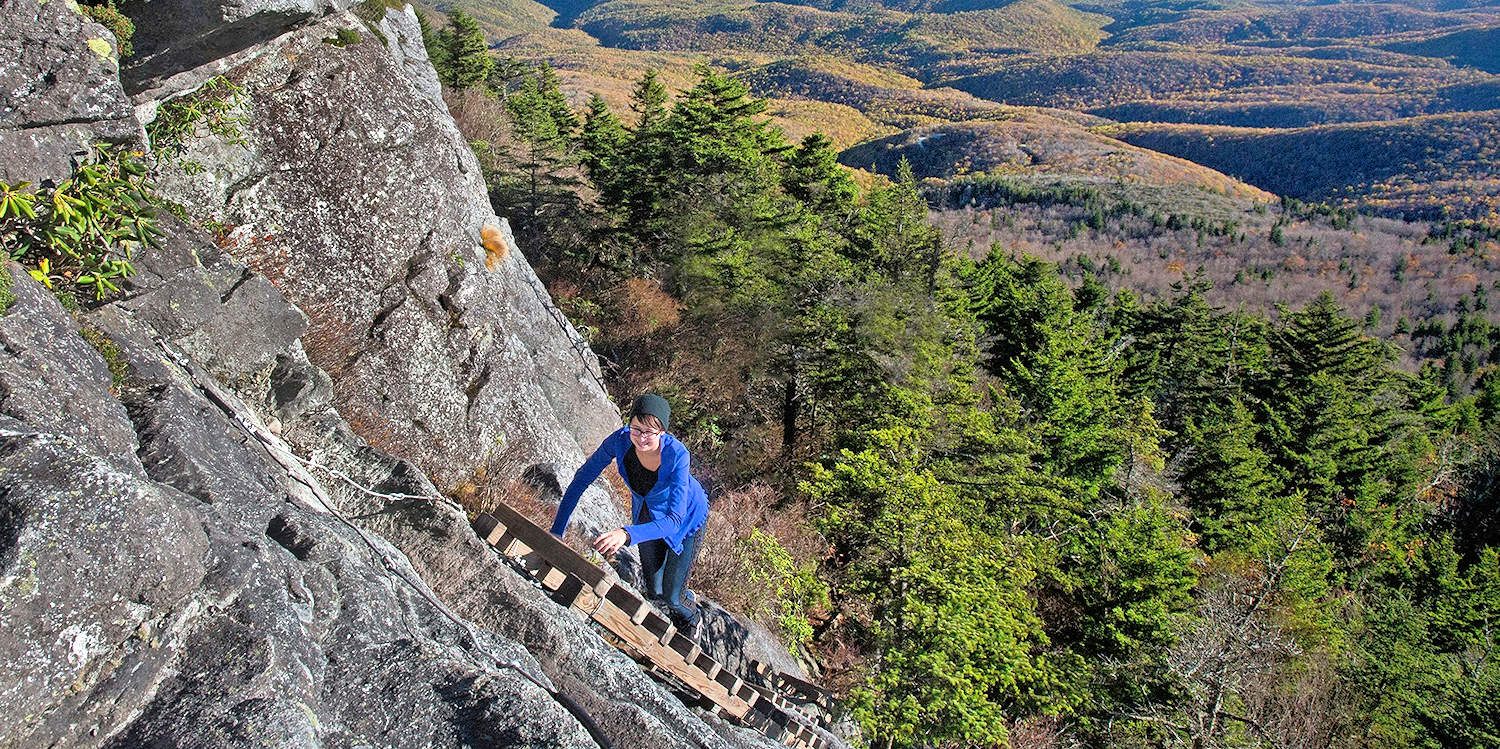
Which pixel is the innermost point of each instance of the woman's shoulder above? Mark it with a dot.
(617, 441)
(672, 449)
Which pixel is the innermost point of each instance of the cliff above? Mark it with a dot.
(222, 519)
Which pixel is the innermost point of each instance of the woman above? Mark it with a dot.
(668, 508)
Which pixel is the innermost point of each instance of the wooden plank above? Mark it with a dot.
(553, 578)
(618, 621)
(571, 591)
(550, 547)
(655, 623)
(626, 601)
(644, 633)
(482, 526)
(511, 546)
(640, 615)
(682, 646)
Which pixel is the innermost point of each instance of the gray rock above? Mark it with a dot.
(404, 42)
(170, 573)
(173, 36)
(362, 203)
(186, 602)
(59, 90)
(470, 577)
(54, 380)
(214, 307)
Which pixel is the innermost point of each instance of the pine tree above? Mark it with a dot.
(814, 176)
(466, 57)
(546, 183)
(436, 45)
(602, 142)
(893, 233)
(649, 102)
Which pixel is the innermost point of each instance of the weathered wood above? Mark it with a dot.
(618, 621)
(561, 556)
(642, 632)
(552, 577)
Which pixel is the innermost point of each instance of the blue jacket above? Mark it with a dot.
(677, 502)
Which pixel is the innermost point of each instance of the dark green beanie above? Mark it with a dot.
(653, 405)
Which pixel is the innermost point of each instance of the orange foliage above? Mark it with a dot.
(644, 308)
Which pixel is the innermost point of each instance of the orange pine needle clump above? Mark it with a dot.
(495, 246)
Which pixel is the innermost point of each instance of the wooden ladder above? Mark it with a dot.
(770, 704)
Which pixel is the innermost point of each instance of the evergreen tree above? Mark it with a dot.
(814, 176)
(545, 183)
(893, 233)
(602, 142)
(649, 102)
(466, 58)
(436, 45)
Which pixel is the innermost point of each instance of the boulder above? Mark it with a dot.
(174, 36)
(60, 90)
(220, 517)
(186, 599)
(403, 40)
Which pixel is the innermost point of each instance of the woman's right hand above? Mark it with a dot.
(611, 542)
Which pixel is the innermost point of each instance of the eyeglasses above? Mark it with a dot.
(644, 432)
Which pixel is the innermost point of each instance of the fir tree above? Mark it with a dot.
(602, 142)
(466, 58)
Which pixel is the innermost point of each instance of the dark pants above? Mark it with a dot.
(666, 574)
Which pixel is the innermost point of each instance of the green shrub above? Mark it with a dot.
(114, 358)
(7, 297)
(794, 590)
(215, 108)
(343, 38)
(118, 24)
(83, 232)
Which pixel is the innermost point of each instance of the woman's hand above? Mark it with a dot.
(611, 542)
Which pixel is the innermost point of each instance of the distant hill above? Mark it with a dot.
(586, 67)
(1035, 144)
(1386, 105)
(1420, 166)
(1293, 108)
(882, 95)
(1340, 21)
(1022, 25)
(721, 25)
(1106, 78)
(500, 18)
(1478, 48)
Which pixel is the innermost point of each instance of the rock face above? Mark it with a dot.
(60, 90)
(173, 574)
(184, 34)
(171, 594)
(357, 197)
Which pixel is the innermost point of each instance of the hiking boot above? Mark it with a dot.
(694, 630)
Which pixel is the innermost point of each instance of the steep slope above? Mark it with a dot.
(1421, 166)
